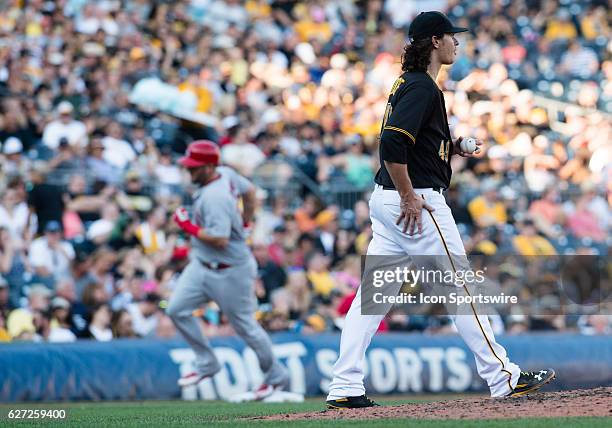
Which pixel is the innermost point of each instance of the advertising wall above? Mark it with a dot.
(396, 363)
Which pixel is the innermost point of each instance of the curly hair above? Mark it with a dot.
(417, 55)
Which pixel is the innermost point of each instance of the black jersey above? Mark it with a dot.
(415, 132)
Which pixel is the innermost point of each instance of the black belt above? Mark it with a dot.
(215, 265)
(435, 189)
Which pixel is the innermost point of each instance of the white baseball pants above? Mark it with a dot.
(439, 237)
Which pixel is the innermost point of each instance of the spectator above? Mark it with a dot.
(560, 27)
(122, 324)
(21, 321)
(579, 61)
(118, 152)
(145, 315)
(547, 213)
(487, 210)
(595, 324)
(271, 275)
(529, 243)
(514, 53)
(299, 295)
(50, 257)
(4, 334)
(4, 296)
(99, 326)
(595, 24)
(15, 218)
(305, 215)
(136, 197)
(584, 224)
(15, 163)
(150, 233)
(46, 200)
(241, 154)
(317, 272)
(100, 230)
(65, 126)
(358, 165)
(60, 321)
(12, 266)
(97, 164)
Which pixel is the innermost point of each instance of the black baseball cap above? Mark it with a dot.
(432, 23)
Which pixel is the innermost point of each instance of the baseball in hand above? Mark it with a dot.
(468, 145)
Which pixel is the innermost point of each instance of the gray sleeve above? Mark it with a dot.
(240, 183)
(218, 217)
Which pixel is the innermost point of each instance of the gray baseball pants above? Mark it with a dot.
(232, 290)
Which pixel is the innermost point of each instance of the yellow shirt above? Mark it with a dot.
(486, 214)
(322, 282)
(307, 30)
(560, 30)
(257, 8)
(361, 243)
(533, 246)
(151, 241)
(4, 336)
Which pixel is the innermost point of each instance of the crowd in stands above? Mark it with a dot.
(88, 178)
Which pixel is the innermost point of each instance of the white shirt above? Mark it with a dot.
(143, 326)
(75, 132)
(99, 227)
(118, 153)
(401, 12)
(101, 335)
(16, 223)
(168, 174)
(54, 260)
(61, 334)
(89, 25)
(243, 157)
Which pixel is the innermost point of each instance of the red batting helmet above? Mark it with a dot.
(201, 152)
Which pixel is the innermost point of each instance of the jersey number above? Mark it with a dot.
(386, 117)
(444, 149)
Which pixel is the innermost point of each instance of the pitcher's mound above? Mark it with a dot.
(581, 402)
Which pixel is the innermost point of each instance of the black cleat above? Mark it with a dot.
(351, 403)
(532, 381)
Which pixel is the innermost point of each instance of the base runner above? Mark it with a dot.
(221, 268)
(410, 216)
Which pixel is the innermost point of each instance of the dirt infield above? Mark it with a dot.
(582, 402)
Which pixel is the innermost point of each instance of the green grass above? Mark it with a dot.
(212, 414)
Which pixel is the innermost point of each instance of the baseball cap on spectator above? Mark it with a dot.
(12, 145)
(60, 303)
(53, 226)
(132, 175)
(65, 107)
(39, 289)
(432, 23)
